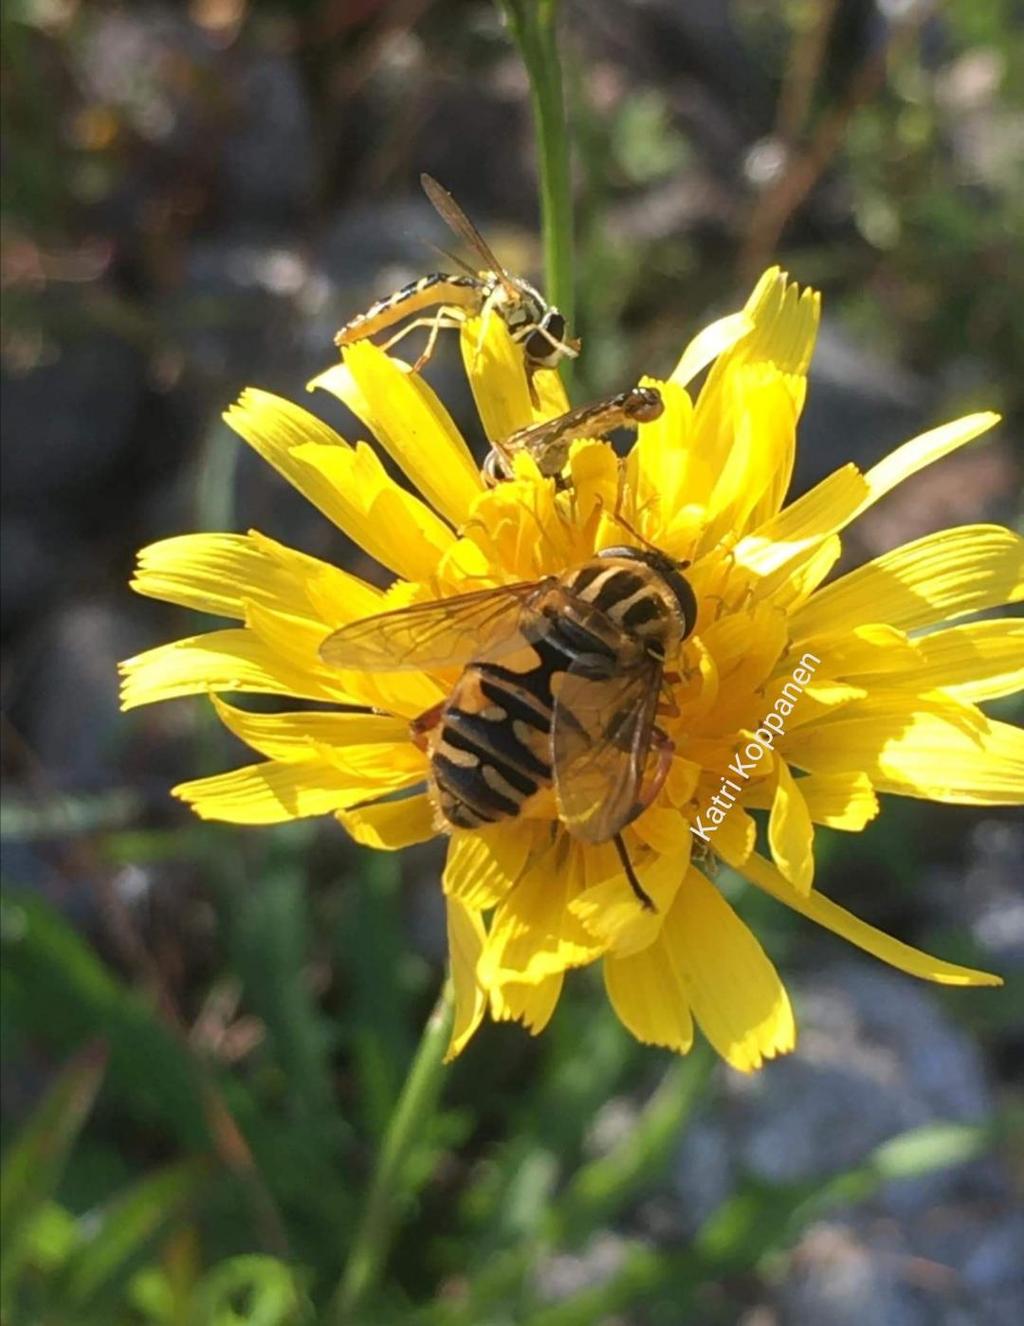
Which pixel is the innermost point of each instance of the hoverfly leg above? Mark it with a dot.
(642, 898)
(485, 315)
(443, 320)
(534, 397)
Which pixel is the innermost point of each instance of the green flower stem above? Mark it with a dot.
(389, 1188)
(533, 25)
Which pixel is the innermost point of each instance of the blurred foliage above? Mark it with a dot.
(195, 1107)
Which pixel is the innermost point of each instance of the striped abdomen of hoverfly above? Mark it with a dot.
(464, 292)
(490, 744)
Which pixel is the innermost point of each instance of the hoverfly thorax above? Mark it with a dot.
(662, 610)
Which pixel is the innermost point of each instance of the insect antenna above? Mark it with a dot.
(642, 897)
(620, 519)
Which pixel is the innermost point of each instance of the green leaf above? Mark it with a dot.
(56, 988)
(35, 1161)
(120, 1231)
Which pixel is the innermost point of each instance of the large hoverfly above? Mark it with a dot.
(560, 688)
(535, 325)
(548, 443)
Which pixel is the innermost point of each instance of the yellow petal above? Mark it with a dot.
(466, 937)
(732, 988)
(530, 1004)
(393, 526)
(924, 450)
(760, 459)
(612, 913)
(484, 865)
(880, 945)
(822, 510)
(942, 575)
(276, 791)
(497, 377)
(291, 736)
(649, 996)
(216, 572)
(297, 641)
(840, 800)
(918, 746)
(349, 485)
(391, 825)
(976, 661)
(534, 933)
(708, 344)
(232, 660)
(663, 472)
(410, 423)
(790, 832)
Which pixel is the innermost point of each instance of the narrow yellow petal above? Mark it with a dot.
(708, 344)
(231, 660)
(924, 450)
(276, 791)
(918, 746)
(612, 913)
(483, 866)
(647, 992)
(348, 484)
(663, 472)
(880, 945)
(840, 800)
(410, 423)
(291, 736)
(297, 642)
(822, 510)
(942, 575)
(790, 832)
(393, 526)
(391, 825)
(530, 1004)
(534, 933)
(732, 988)
(497, 378)
(466, 936)
(976, 661)
(211, 573)
(760, 459)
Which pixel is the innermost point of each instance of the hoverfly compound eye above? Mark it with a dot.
(554, 324)
(646, 405)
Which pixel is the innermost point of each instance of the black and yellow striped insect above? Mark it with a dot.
(548, 443)
(560, 687)
(534, 324)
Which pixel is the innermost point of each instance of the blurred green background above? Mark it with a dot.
(205, 1029)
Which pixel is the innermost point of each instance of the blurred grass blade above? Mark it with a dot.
(600, 1189)
(33, 1165)
(124, 1228)
(934, 1146)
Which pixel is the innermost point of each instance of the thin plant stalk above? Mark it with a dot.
(369, 1249)
(533, 25)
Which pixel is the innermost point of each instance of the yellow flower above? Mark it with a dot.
(885, 696)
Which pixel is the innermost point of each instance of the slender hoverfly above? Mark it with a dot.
(535, 325)
(548, 443)
(560, 688)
